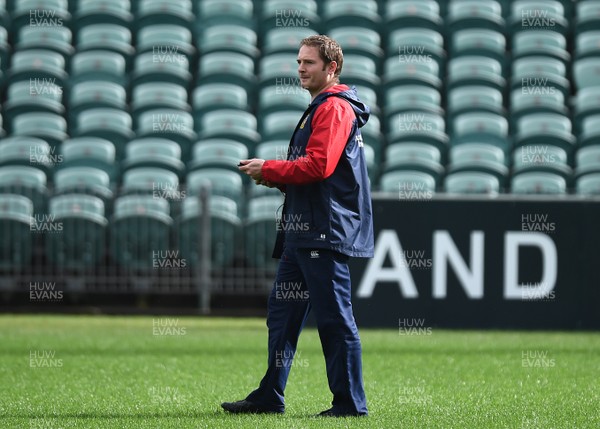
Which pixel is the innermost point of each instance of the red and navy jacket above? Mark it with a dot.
(327, 190)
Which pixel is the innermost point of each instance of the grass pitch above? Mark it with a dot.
(170, 372)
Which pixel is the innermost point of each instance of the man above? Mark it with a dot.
(326, 219)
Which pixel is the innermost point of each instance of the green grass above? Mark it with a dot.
(114, 373)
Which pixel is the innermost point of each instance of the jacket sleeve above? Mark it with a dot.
(331, 126)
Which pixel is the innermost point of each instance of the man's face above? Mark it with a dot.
(312, 71)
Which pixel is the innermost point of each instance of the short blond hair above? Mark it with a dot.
(329, 50)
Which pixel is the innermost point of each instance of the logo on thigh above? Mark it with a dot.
(314, 254)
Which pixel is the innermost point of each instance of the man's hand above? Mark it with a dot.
(252, 167)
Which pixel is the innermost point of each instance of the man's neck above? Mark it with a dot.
(324, 88)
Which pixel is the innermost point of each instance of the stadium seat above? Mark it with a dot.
(587, 16)
(471, 182)
(359, 41)
(586, 72)
(158, 182)
(360, 70)
(27, 181)
(214, 96)
(222, 182)
(279, 70)
(16, 217)
(550, 43)
(111, 124)
(475, 70)
(489, 128)
(229, 38)
(285, 40)
(96, 94)
(216, 12)
(412, 97)
(416, 126)
(538, 15)
(40, 13)
(4, 16)
(227, 67)
(540, 71)
(168, 67)
(279, 125)
(29, 151)
(411, 73)
(473, 99)
(542, 183)
(479, 42)
(230, 124)
(413, 13)
(587, 160)
(288, 14)
(32, 96)
(372, 135)
(157, 95)
(546, 129)
(463, 14)
(171, 124)
(81, 244)
(590, 131)
(225, 231)
(46, 66)
(167, 42)
(408, 184)
(89, 152)
(544, 158)
(276, 149)
(362, 14)
(151, 12)
(367, 96)
(588, 185)
(260, 231)
(528, 100)
(117, 12)
(217, 153)
(98, 65)
(84, 181)
(413, 45)
(48, 126)
(586, 45)
(155, 153)
(414, 156)
(109, 37)
(479, 158)
(55, 39)
(140, 227)
(276, 98)
(4, 49)
(586, 103)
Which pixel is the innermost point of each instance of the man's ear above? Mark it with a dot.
(332, 67)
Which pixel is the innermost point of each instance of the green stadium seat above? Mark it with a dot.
(98, 65)
(260, 231)
(590, 131)
(351, 13)
(538, 15)
(107, 123)
(586, 72)
(464, 14)
(471, 182)
(587, 160)
(588, 185)
(171, 124)
(412, 97)
(89, 152)
(540, 71)
(140, 227)
(546, 129)
(96, 94)
(415, 45)
(227, 67)
(81, 245)
(541, 183)
(4, 49)
(416, 126)
(229, 38)
(40, 13)
(56, 39)
(586, 103)
(372, 166)
(225, 231)
(544, 158)
(279, 125)
(27, 181)
(479, 158)
(276, 149)
(369, 97)
(222, 182)
(154, 153)
(168, 67)
(289, 96)
(489, 128)
(215, 12)
(587, 45)
(28, 151)
(85, 181)
(217, 153)
(285, 40)
(475, 70)
(587, 16)
(414, 156)
(16, 217)
(32, 96)
(157, 95)
(91, 12)
(280, 70)
(360, 70)
(528, 100)
(110, 37)
(4, 16)
(479, 42)
(214, 96)
(40, 64)
(158, 182)
(408, 184)
(48, 126)
(151, 12)
(473, 99)
(355, 40)
(551, 43)
(413, 13)
(166, 42)
(230, 124)
(288, 14)
(373, 136)
(411, 73)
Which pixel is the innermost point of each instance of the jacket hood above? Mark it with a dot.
(361, 110)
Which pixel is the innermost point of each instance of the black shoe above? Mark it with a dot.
(246, 407)
(331, 413)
